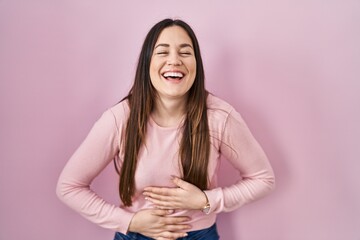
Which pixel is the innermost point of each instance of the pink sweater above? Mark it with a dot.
(159, 160)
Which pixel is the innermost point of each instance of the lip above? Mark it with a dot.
(172, 70)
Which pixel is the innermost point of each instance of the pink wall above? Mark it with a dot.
(291, 69)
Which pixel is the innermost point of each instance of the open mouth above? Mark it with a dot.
(173, 76)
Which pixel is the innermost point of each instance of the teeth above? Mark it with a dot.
(173, 74)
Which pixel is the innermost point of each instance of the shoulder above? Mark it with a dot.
(218, 109)
(121, 108)
(119, 112)
(218, 113)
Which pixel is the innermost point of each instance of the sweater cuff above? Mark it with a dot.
(117, 219)
(124, 219)
(215, 197)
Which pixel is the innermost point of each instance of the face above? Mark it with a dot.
(173, 64)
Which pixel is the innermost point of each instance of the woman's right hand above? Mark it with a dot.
(159, 224)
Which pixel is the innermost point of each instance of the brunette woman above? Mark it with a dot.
(166, 138)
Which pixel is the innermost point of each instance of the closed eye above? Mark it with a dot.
(185, 53)
(161, 53)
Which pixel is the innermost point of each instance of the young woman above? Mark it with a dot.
(166, 138)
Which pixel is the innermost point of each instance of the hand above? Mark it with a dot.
(158, 224)
(185, 196)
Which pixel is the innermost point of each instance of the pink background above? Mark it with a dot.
(290, 67)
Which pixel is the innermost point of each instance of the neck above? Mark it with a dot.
(169, 112)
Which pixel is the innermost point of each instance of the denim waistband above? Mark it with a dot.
(203, 234)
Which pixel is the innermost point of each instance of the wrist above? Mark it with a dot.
(206, 207)
(133, 224)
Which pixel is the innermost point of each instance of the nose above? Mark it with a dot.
(174, 59)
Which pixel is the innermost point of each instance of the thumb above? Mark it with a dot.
(162, 212)
(180, 183)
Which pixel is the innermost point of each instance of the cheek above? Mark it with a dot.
(193, 70)
(152, 70)
(193, 66)
(155, 67)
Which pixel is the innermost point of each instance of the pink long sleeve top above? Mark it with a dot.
(159, 160)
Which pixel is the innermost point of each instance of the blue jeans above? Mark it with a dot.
(204, 234)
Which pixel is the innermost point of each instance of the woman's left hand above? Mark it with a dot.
(185, 196)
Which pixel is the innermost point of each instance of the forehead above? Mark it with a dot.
(174, 35)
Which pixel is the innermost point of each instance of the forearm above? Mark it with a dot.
(246, 190)
(98, 150)
(83, 200)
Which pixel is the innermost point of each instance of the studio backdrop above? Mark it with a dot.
(291, 68)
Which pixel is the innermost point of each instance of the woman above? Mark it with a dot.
(166, 139)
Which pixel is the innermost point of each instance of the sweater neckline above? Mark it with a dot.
(172, 128)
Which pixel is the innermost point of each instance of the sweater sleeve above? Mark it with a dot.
(97, 150)
(245, 154)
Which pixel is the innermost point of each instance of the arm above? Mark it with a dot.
(245, 154)
(73, 188)
(94, 154)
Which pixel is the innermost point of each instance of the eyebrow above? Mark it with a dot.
(183, 45)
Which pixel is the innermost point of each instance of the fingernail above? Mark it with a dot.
(185, 234)
(170, 211)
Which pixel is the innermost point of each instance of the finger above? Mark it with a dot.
(171, 220)
(181, 183)
(178, 227)
(162, 212)
(163, 191)
(172, 235)
(163, 204)
(166, 208)
(158, 196)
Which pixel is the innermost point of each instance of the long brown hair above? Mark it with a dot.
(195, 143)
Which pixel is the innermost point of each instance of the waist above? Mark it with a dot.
(209, 233)
(198, 219)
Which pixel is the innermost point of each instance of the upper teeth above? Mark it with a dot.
(173, 74)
